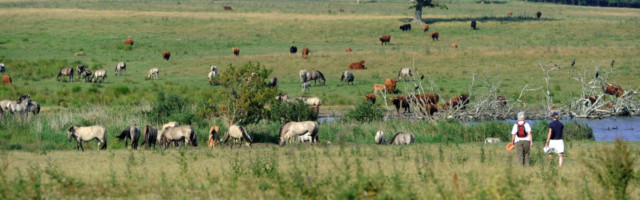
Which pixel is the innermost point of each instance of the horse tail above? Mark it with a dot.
(37, 111)
(194, 137)
(104, 144)
(314, 133)
(125, 133)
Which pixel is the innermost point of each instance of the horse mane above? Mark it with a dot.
(394, 137)
(72, 128)
(126, 132)
(321, 75)
(245, 135)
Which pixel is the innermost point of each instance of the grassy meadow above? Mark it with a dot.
(38, 37)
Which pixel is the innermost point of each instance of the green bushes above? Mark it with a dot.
(171, 107)
(613, 168)
(286, 112)
(365, 112)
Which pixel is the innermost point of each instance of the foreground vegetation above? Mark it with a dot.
(421, 171)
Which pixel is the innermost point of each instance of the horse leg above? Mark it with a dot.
(80, 143)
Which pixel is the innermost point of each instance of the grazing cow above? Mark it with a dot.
(305, 53)
(358, 65)
(2, 67)
(347, 77)
(370, 97)
(539, 14)
(81, 53)
(236, 51)
(303, 75)
(121, 66)
(473, 24)
(501, 100)
(6, 79)
(509, 14)
(378, 88)
(491, 140)
(592, 99)
(348, 50)
(293, 49)
(425, 28)
(404, 73)
(613, 89)
(166, 55)
(434, 36)
(385, 39)
(405, 27)
(129, 42)
(400, 101)
(431, 101)
(227, 8)
(457, 102)
(273, 82)
(305, 86)
(341, 10)
(454, 45)
(66, 71)
(80, 68)
(390, 85)
(609, 105)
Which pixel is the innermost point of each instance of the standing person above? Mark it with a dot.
(555, 144)
(522, 139)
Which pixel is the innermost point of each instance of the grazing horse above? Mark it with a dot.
(87, 134)
(214, 134)
(385, 39)
(32, 107)
(166, 55)
(347, 77)
(303, 75)
(313, 101)
(149, 135)
(121, 66)
(491, 140)
(404, 73)
(165, 126)
(86, 74)
(6, 79)
(2, 67)
(179, 133)
(402, 138)
(80, 69)
(238, 134)
(315, 75)
(293, 49)
(66, 71)
(273, 82)
(130, 133)
(153, 73)
(380, 138)
(293, 129)
(99, 74)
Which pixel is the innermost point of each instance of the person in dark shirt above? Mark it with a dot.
(555, 144)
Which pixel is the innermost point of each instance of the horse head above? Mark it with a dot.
(71, 132)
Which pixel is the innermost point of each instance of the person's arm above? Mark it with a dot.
(530, 139)
(548, 138)
(513, 138)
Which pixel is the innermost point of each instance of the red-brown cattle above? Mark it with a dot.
(425, 28)
(166, 55)
(370, 97)
(348, 50)
(509, 14)
(539, 14)
(236, 51)
(227, 8)
(435, 35)
(378, 88)
(305, 53)
(385, 39)
(501, 100)
(358, 65)
(399, 102)
(454, 45)
(457, 102)
(129, 42)
(390, 85)
(6, 79)
(613, 89)
(591, 98)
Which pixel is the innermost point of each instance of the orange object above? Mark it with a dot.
(510, 146)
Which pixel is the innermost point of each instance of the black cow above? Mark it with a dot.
(293, 49)
(406, 27)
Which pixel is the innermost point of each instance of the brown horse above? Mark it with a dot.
(214, 134)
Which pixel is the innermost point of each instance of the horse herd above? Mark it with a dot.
(22, 106)
(99, 75)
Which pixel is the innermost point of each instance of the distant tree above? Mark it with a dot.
(419, 4)
(247, 91)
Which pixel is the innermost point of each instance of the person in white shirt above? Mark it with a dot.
(522, 139)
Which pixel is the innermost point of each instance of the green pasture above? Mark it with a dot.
(40, 37)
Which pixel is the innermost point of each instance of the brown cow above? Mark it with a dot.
(613, 89)
(81, 53)
(6, 79)
(348, 50)
(358, 65)
(129, 42)
(385, 39)
(305, 53)
(227, 8)
(457, 102)
(454, 45)
(400, 101)
(390, 85)
(370, 97)
(432, 108)
(431, 101)
(607, 106)
(425, 28)
(539, 14)
(236, 51)
(509, 14)
(166, 55)
(378, 88)
(434, 36)
(591, 98)
(501, 100)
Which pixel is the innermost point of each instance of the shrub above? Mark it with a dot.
(613, 168)
(286, 112)
(365, 112)
(171, 107)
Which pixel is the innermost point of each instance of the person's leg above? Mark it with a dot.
(560, 160)
(520, 153)
(526, 153)
(550, 158)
